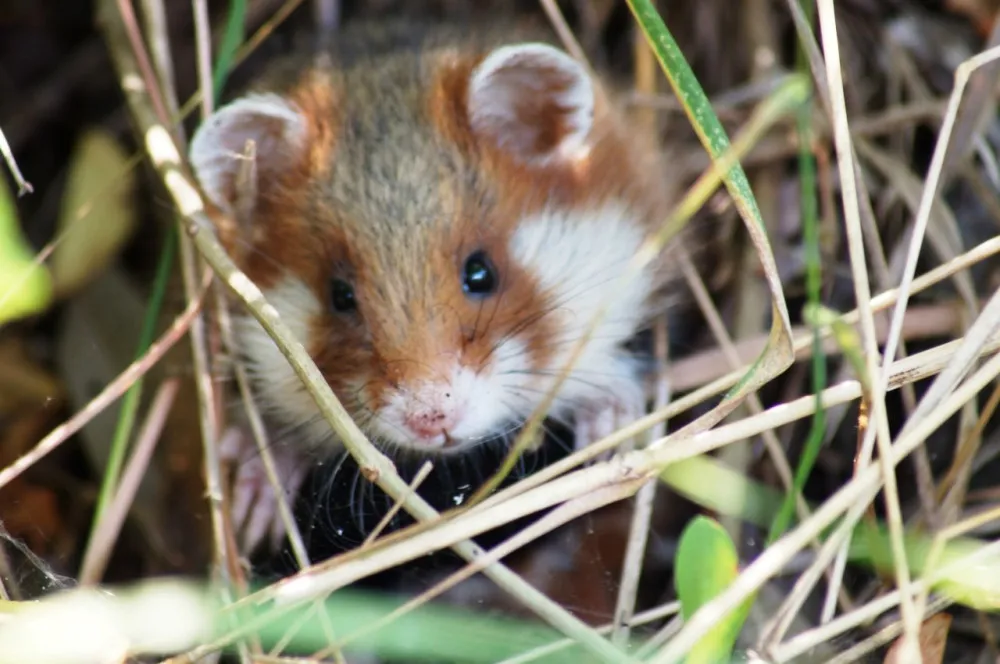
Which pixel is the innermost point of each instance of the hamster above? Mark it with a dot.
(438, 216)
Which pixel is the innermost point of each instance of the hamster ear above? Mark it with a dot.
(533, 100)
(217, 153)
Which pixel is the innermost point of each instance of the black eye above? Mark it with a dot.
(479, 277)
(342, 296)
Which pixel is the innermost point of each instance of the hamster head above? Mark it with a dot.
(437, 229)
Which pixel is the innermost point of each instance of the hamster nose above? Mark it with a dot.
(430, 422)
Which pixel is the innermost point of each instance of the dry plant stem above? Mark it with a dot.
(635, 552)
(95, 559)
(226, 565)
(631, 468)
(133, 35)
(725, 342)
(554, 519)
(662, 636)
(646, 75)
(638, 620)
(167, 161)
(155, 16)
(23, 186)
(878, 425)
(862, 488)
(922, 465)
(914, 368)
(921, 462)
(292, 631)
(248, 178)
(6, 594)
(952, 487)
(418, 479)
(806, 641)
(642, 509)
(786, 614)
(856, 653)
(924, 322)
(113, 391)
(203, 46)
(931, 187)
(566, 35)
(259, 432)
(979, 106)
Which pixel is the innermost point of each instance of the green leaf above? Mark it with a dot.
(965, 569)
(706, 565)
(716, 487)
(25, 284)
(429, 633)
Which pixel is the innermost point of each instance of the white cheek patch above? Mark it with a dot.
(280, 389)
(578, 258)
(494, 394)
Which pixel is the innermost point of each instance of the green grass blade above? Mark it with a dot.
(814, 283)
(231, 40)
(778, 355)
(133, 397)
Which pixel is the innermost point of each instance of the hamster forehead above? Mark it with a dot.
(394, 185)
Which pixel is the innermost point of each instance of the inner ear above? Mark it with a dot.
(218, 154)
(533, 101)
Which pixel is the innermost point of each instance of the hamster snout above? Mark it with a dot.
(434, 414)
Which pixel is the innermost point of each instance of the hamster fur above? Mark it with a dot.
(438, 217)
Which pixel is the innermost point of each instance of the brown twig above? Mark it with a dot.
(95, 559)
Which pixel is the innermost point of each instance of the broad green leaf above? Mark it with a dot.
(98, 211)
(429, 633)
(25, 284)
(706, 564)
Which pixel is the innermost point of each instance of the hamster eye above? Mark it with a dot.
(479, 277)
(342, 296)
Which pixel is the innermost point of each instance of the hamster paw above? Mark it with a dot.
(254, 508)
(608, 416)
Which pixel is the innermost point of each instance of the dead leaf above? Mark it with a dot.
(932, 640)
(98, 212)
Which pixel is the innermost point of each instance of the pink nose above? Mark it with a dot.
(429, 422)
